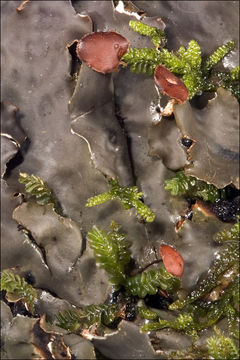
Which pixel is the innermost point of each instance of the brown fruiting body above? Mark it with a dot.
(102, 51)
(170, 85)
(172, 260)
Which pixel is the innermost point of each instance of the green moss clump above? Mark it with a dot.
(187, 63)
(75, 320)
(128, 196)
(111, 252)
(189, 186)
(221, 347)
(38, 188)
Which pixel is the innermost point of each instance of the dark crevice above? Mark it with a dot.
(99, 355)
(201, 101)
(33, 241)
(17, 308)
(127, 137)
(75, 61)
(158, 301)
(17, 159)
(29, 278)
(51, 292)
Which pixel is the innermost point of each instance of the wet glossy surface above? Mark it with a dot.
(102, 127)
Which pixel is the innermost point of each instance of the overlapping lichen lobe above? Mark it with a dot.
(170, 85)
(102, 51)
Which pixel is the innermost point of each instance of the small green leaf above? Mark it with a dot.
(146, 313)
(192, 55)
(145, 67)
(154, 326)
(99, 199)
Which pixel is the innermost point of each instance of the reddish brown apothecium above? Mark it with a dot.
(102, 51)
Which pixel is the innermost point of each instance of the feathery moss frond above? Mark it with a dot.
(149, 281)
(210, 313)
(141, 61)
(219, 54)
(184, 322)
(221, 347)
(38, 188)
(111, 252)
(157, 35)
(18, 289)
(128, 196)
(200, 315)
(184, 185)
(229, 235)
(69, 320)
(75, 320)
(225, 259)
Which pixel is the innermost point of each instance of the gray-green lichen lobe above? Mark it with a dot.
(214, 156)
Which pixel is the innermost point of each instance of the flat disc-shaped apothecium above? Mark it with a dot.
(102, 51)
(170, 85)
(172, 260)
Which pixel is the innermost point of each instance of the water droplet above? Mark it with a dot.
(116, 46)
